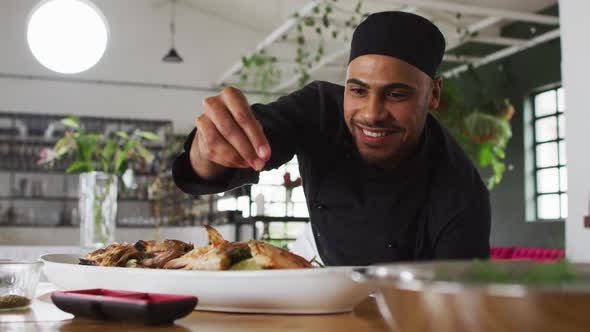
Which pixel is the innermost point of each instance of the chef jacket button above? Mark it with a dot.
(320, 206)
(389, 245)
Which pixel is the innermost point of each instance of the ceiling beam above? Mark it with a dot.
(495, 40)
(465, 9)
(505, 52)
(324, 61)
(460, 58)
(290, 63)
(473, 28)
(271, 38)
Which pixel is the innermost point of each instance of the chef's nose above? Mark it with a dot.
(374, 110)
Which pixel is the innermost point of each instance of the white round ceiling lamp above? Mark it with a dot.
(67, 36)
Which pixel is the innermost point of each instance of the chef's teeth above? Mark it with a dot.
(374, 133)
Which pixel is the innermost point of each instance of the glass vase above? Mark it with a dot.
(288, 203)
(98, 209)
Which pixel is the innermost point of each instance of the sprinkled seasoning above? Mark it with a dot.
(11, 301)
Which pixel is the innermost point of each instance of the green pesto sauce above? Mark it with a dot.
(541, 274)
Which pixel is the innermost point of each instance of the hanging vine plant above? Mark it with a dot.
(482, 131)
(322, 24)
(260, 70)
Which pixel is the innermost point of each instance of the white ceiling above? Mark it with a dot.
(211, 35)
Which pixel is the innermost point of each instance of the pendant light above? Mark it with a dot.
(172, 55)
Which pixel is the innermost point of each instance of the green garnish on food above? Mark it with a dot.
(315, 260)
(239, 254)
(247, 264)
(559, 272)
(131, 263)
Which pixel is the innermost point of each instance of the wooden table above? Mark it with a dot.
(44, 316)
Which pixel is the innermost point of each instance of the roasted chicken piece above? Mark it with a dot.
(272, 257)
(222, 255)
(148, 254)
(114, 255)
(219, 255)
(214, 237)
(157, 253)
(212, 258)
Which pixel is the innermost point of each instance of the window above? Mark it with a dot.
(549, 155)
(268, 198)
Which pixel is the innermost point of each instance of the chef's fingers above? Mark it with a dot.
(214, 147)
(238, 105)
(226, 125)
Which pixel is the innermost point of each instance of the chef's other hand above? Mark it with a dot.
(228, 135)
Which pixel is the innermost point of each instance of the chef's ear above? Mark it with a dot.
(435, 93)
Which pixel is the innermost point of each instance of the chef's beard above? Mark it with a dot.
(390, 156)
(384, 157)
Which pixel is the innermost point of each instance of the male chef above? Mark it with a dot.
(383, 180)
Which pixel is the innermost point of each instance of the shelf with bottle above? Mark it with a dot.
(24, 135)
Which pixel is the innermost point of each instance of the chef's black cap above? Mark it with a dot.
(406, 36)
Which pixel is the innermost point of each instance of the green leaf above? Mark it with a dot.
(121, 155)
(107, 153)
(71, 122)
(245, 61)
(309, 21)
(499, 168)
(500, 152)
(119, 159)
(64, 145)
(491, 182)
(484, 154)
(149, 136)
(94, 137)
(144, 153)
(122, 134)
(82, 166)
(300, 40)
(357, 9)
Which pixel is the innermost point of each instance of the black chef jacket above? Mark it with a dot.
(434, 205)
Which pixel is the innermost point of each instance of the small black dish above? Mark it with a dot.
(105, 304)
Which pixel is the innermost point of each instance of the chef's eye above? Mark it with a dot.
(397, 95)
(358, 91)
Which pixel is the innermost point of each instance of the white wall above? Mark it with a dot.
(138, 40)
(575, 73)
(36, 96)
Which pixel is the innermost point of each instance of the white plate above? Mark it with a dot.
(302, 291)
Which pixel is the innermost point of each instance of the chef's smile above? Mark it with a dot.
(377, 136)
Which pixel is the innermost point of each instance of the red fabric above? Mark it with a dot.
(501, 252)
(536, 254)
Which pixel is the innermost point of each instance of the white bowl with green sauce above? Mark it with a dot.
(482, 295)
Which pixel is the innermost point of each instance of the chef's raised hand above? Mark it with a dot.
(228, 135)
